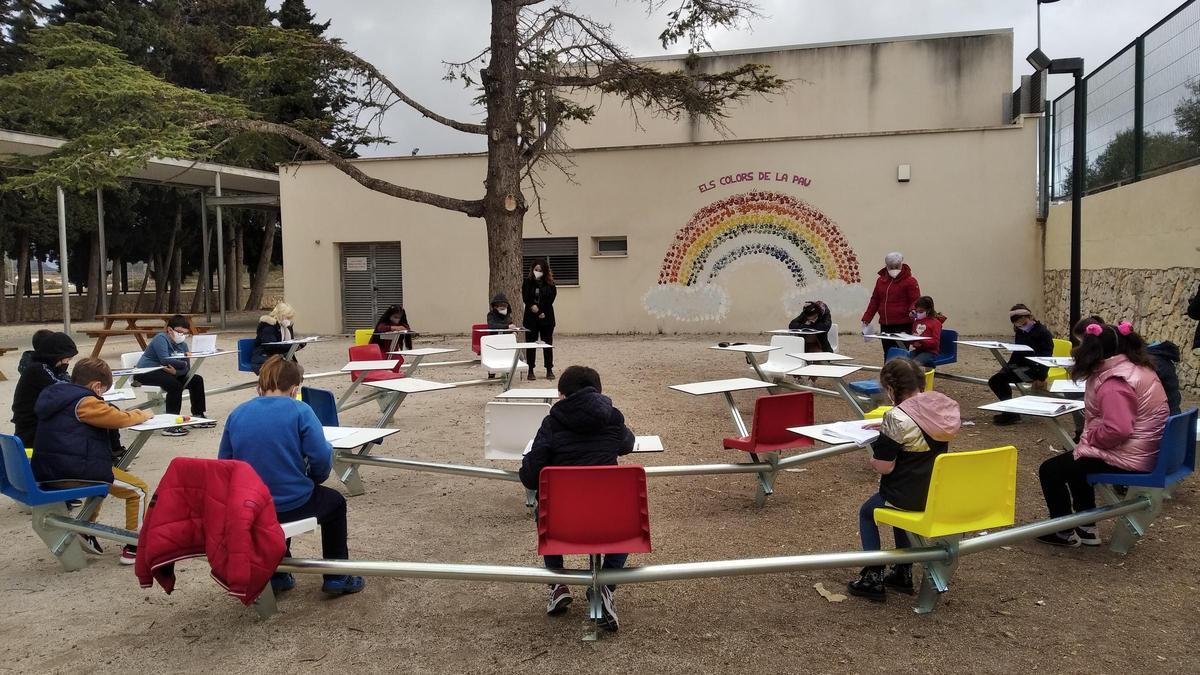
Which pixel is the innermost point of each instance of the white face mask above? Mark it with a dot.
(178, 338)
(537, 274)
(893, 273)
(286, 323)
(502, 311)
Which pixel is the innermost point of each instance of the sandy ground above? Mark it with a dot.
(1024, 607)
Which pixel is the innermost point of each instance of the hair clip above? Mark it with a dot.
(1093, 329)
(1125, 328)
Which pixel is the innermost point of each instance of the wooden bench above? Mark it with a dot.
(143, 334)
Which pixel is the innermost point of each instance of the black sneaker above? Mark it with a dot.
(90, 544)
(174, 431)
(1005, 419)
(1068, 540)
(869, 585)
(549, 373)
(899, 579)
(1088, 535)
(530, 376)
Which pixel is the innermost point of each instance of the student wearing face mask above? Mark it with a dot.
(169, 350)
(896, 290)
(499, 316)
(277, 326)
(1026, 331)
(927, 323)
(393, 319)
(46, 365)
(539, 292)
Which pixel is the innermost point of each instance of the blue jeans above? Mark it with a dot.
(612, 561)
(923, 358)
(868, 531)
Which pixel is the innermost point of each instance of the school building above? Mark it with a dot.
(907, 144)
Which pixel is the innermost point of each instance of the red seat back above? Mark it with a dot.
(593, 509)
(370, 352)
(774, 414)
(476, 335)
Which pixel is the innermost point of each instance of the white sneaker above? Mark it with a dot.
(560, 599)
(608, 609)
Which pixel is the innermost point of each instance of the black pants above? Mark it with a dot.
(172, 386)
(328, 506)
(1065, 486)
(893, 328)
(1000, 381)
(545, 334)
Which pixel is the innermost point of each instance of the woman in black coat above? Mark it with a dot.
(538, 292)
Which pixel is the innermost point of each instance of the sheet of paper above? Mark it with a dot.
(854, 431)
(648, 444)
(204, 344)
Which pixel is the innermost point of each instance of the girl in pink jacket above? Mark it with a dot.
(1125, 411)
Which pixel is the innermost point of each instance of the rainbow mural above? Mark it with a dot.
(808, 246)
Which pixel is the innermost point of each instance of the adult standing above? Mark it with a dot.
(538, 292)
(1193, 312)
(896, 290)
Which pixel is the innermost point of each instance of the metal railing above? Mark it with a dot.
(1142, 116)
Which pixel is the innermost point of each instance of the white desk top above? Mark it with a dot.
(359, 366)
(205, 355)
(897, 337)
(640, 444)
(125, 394)
(501, 330)
(825, 371)
(1035, 406)
(829, 433)
(126, 372)
(799, 331)
(166, 421)
(538, 394)
(345, 438)
(993, 344)
(721, 386)
(814, 357)
(409, 385)
(299, 341)
(1053, 361)
(424, 351)
(524, 345)
(747, 349)
(390, 333)
(1065, 386)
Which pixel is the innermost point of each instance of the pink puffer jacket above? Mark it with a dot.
(1140, 450)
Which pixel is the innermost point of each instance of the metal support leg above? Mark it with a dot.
(936, 577)
(766, 479)
(849, 397)
(353, 385)
(1132, 526)
(348, 473)
(595, 601)
(512, 371)
(193, 368)
(530, 498)
(737, 416)
(291, 352)
(63, 544)
(265, 604)
(389, 409)
(412, 367)
(1068, 441)
(134, 448)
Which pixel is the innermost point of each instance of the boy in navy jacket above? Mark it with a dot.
(582, 429)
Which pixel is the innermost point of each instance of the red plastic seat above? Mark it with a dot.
(372, 352)
(593, 510)
(476, 334)
(772, 417)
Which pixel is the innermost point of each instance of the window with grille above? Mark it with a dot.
(562, 253)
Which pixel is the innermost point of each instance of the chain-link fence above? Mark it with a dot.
(1142, 109)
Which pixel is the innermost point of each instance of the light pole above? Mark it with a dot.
(1074, 66)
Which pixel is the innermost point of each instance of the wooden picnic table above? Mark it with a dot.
(3, 351)
(138, 331)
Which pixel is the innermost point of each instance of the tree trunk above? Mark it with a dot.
(176, 280)
(230, 287)
(114, 298)
(93, 278)
(504, 206)
(41, 290)
(137, 304)
(124, 276)
(23, 279)
(263, 269)
(239, 265)
(163, 263)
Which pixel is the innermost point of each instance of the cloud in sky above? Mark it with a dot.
(409, 40)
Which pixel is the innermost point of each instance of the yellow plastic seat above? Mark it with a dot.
(29, 453)
(878, 412)
(1061, 348)
(968, 492)
(363, 335)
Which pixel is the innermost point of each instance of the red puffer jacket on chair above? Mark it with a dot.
(219, 509)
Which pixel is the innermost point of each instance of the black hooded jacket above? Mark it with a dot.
(496, 319)
(584, 429)
(40, 372)
(1165, 355)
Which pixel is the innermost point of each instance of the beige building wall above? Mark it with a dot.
(922, 82)
(965, 221)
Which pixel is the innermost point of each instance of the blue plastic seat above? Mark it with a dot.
(245, 351)
(872, 387)
(323, 404)
(1176, 457)
(17, 481)
(948, 349)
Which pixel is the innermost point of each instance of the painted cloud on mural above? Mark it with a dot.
(805, 243)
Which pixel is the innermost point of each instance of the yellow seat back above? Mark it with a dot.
(968, 492)
(929, 379)
(362, 336)
(877, 413)
(1061, 348)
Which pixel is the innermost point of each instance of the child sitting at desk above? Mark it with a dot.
(169, 350)
(927, 323)
(284, 442)
(499, 314)
(77, 442)
(47, 365)
(393, 319)
(1030, 332)
(277, 326)
(582, 429)
(911, 436)
(814, 315)
(1125, 412)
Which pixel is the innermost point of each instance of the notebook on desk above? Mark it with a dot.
(204, 344)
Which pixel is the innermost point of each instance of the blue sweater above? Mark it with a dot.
(163, 352)
(283, 440)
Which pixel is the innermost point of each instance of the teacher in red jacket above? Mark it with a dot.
(896, 290)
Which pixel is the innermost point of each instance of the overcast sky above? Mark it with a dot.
(409, 39)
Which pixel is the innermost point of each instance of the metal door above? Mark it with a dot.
(372, 280)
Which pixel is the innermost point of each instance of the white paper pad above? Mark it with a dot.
(897, 337)
(1053, 361)
(113, 395)
(1066, 386)
(165, 421)
(203, 344)
(1038, 406)
(299, 341)
(841, 432)
(648, 444)
(993, 344)
(126, 372)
